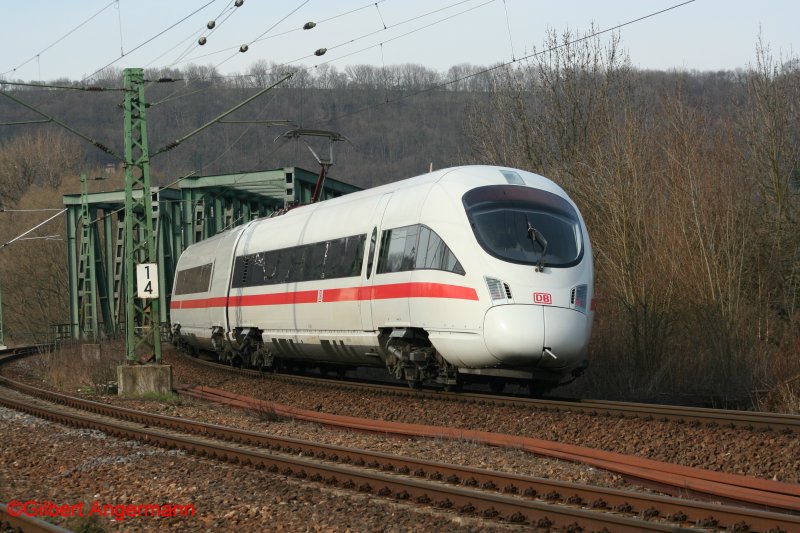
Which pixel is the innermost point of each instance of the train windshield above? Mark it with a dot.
(525, 225)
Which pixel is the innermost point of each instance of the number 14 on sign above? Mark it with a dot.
(147, 280)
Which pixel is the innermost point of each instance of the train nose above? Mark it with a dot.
(545, 336)
(566, 337)
(514, 334)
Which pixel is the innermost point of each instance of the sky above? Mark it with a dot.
(52, 39)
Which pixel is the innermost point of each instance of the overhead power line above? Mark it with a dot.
(89, 88)
(501, 65)
(225, 14)
(281, 34)
(70, 32)
(18, 237)
(151, 39)
(246, 46)
(67, 127)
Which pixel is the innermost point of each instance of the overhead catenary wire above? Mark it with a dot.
(355, 39)
(484, 71)
(282, 34)
(508, 26)
(176, 142)
(230, 8)
(67, 127)
(38, 54)
(119, 20)
(195, 172)
(4, 210)
(149, 40)
(245, 47)
(507, 63)
(18, 237)
(192, 38)
(449, 17)
(88, 88)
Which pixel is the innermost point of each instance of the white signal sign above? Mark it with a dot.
(147, 280)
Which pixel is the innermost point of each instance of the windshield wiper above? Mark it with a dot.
(536, 236)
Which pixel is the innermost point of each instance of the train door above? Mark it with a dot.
(370, 261)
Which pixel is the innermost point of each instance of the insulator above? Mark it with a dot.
(211, 24)
(244, 48)
(320, 52)
(238, 3)
(202, 40)
(309, 25)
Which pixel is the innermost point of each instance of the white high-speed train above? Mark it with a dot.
(468, 274)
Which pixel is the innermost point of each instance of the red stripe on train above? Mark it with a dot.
(348, 294)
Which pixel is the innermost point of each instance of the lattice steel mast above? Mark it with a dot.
(142, 321)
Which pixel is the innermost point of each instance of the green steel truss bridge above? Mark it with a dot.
(202, 207)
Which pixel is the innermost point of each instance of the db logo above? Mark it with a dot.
(542, 298)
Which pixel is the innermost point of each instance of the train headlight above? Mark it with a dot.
(578, 298)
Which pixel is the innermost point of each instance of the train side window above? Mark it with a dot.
(270, 266)
(292, 267)
(338, 258)
(410, 250)
(393, 247)
(437, 255)
(193, 280)
(316, 258)
(371, 255)
(353, 255)
(415, 248)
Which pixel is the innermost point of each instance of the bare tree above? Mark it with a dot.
(42, 158)
(770, 117)
(34, 272)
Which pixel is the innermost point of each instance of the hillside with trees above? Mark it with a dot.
(689, 183)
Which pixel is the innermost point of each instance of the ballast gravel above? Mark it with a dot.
(50, 462)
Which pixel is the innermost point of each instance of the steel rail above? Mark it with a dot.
(746, 490)
(785, 423)
(550, 490)
(464, 500)
(507, 484)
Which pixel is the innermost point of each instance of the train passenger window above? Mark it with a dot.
(315, 260)
(393, 247)
(337, 258)
(292, 267)
(415, 248)
(344, 257)
(435, 255)
(270, 268)
(192, 280)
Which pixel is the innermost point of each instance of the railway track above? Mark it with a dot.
(619, 503)
(476, 492)
(784, 423)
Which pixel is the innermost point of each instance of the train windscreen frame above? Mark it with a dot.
(502, 218)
